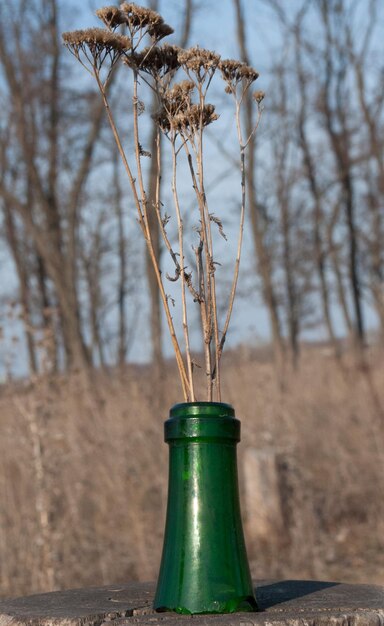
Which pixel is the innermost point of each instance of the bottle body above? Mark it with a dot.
(204, 566)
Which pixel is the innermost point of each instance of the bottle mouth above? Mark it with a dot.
(204, 421)
(202, 409)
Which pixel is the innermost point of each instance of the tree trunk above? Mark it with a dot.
(122, 282)
(340, 287)
(334, 113)
(263, 257)
(48, 315)
(310, 173)
(24, 286)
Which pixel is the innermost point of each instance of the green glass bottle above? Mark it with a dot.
(204, 567)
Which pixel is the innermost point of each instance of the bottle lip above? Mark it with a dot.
(202, 409)
(202, 420)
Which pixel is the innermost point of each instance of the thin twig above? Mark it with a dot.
(241, 221)
(121, 151)
(149, 242)
(204, 280)
(182, 269)
(213, 322)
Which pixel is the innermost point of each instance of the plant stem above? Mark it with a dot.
(182, 270)
(204, 282)
(143, 221)
(238, 255)
(210, 269)
(149, 242)
(121, 150)
(243, 147)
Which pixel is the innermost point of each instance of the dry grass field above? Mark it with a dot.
(83, 472)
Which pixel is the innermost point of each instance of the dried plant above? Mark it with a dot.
(182, 116)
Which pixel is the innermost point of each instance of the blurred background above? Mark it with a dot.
(86, 369)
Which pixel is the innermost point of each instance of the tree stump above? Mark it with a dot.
(287, 602)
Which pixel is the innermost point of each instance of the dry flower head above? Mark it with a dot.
(140, 18)
(111, 16)
(155, 60)
(99, 42)
(234, 72)
(178, 97)
(197, 59)
(178, 113)
(258, 96)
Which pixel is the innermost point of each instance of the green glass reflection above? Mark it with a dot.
(204, 567)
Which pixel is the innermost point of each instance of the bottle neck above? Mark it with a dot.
(202, 421)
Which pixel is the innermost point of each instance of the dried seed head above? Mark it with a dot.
(197, 116)
(233, 72)
(180, 122)
(159, 31)
(111, 16)
(258, 96)
(197, 59)
(138, 18)
(178, 98)
(96, 40)
(181, 92)
(155, 60)
(179, 114)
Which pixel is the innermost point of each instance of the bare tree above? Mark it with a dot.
(284, 186)
(336, 112)
(371, 111)
(257, 223)
(334, 108)
(122, 256)
(31, 66)
(310, 172)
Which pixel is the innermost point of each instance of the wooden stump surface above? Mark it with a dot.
(285, 602)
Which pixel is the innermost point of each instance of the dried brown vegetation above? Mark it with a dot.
(183, 115)
(84, 472)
